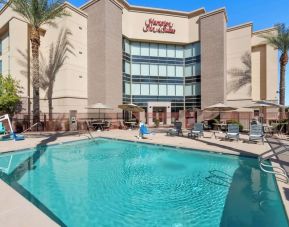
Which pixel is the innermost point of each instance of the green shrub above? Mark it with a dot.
(157, 123)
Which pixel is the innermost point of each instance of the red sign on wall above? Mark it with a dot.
(158, 26)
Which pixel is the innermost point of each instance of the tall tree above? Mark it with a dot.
(37, 13)
(10, 91)
(280, 41)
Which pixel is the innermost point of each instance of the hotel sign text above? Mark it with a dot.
(159, 26)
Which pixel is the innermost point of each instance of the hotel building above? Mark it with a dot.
(166, 61)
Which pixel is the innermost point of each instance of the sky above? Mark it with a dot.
(263, 13)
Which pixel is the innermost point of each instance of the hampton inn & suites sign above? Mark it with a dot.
(159, 26)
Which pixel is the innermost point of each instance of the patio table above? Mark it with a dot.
(220, 126)
(131, 124)
(98, 125)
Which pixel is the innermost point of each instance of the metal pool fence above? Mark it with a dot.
(60, 121)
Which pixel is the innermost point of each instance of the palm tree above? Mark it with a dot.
(280, 41)
(37, 13)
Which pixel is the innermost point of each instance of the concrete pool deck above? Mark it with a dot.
(15, 210)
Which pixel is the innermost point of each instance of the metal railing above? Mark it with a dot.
(277, 148)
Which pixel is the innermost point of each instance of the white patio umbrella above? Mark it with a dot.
(131, 108)
(98, 106)
(262, 105)
(219, 107)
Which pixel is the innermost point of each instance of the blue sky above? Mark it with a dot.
(263, 13)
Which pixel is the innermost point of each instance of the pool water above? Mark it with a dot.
(117, 183)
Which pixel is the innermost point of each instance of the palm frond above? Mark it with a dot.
(39, 12)
(279, 40)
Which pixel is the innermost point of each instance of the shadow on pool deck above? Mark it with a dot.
(28, 165)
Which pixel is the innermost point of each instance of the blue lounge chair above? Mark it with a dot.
(256, 133)
(233, 132)
(177, 130)
(143, 130)
(197, 131)
(2, 128)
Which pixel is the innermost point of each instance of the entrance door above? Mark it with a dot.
(159, 113)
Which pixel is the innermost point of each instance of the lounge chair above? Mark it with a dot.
(177, 130)
(256, 133)
(233, 132)
(106, 125)
(143, 130)
(197, 131)
(2, 129)
(122, 125)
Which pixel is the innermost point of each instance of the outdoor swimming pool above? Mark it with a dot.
(117, 183)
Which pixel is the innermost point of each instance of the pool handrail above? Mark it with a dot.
(276, 148)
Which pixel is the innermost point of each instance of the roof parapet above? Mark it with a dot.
(75, 9)
(126, 5)
(217, 11)
(266, 30)
(240, 26)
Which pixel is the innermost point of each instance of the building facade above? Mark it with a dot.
(164, 61)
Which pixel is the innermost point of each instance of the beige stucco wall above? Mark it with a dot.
(187, 29)
(271, 73)
(93, 72)
(264, 67)
(17, 48)
(105, 54)
(213, 58)
(238, 48)
(5, 53)
(71, 79)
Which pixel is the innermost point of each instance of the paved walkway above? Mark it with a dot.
(14, 205)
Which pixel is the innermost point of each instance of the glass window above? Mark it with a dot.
(194, 70)
(162, 70)
(154, 90)
(171, 70)
(127, 67)
(171, 90)
(145, 70)
(188, 51)
(196, 49)
(179, 90)
(154, 70)
(127, 88)
(162, 90)
(179, 71)
(188, 90)
(196, 89)
(179, 52)
(126, 46)
(135, 89)
(171, 51)
(145, 49)
(162, 50)
(188, 70)
(145, 89)
(135, 69)
(153, 50)
(135, 48)
(198, 69)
